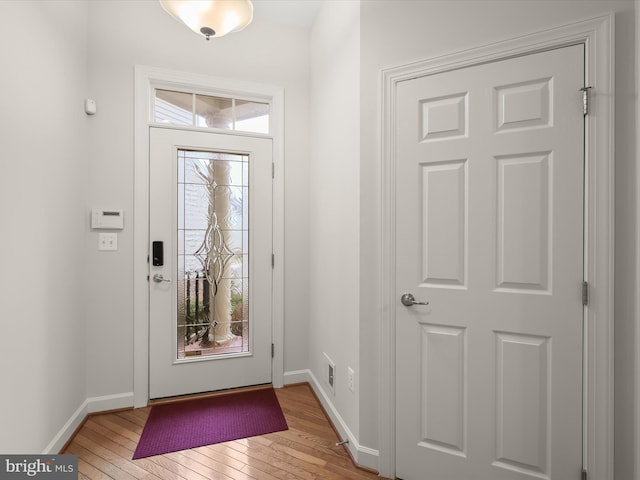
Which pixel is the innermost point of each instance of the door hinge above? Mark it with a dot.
(585, 293)
(584, 475)
(585, 100)
(273, 350)
(273, 170)
(273, 260)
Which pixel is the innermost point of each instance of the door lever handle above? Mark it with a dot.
(158, 278)
(408, 300)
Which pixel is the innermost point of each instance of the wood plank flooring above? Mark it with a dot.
(106, 442)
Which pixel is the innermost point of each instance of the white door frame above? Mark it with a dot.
(146, 79)
(597, 35)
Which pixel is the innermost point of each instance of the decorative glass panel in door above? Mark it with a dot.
(213, 244)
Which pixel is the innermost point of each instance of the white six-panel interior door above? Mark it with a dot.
(489, 217)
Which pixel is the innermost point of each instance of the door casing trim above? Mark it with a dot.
(146, 78)
(597, 35)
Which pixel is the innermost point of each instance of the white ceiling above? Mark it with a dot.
(299, 13)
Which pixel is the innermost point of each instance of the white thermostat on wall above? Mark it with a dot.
(107, 219)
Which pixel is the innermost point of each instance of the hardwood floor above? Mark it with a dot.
(106, 442)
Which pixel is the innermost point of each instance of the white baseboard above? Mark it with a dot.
(297, 376)
(110, 402)
(65, 433)
(90, 405)
(363, 456)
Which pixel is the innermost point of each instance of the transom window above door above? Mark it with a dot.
(206, 111)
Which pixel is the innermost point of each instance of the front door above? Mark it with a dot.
(210, 271)
(490, 234)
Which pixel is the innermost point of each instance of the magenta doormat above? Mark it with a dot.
(194, 423)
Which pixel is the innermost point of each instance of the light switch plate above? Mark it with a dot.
(107, 241)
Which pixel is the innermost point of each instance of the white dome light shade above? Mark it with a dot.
(211, 18)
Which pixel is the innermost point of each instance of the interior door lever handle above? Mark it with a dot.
(158, 278)
(408, 300)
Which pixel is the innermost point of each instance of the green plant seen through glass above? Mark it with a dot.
(236, 313)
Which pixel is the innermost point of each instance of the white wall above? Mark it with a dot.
(126, 33)
(43, 174)
(399, 32)
(334, 209)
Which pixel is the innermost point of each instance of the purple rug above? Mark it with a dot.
(194, 423)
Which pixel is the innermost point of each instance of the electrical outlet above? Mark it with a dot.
(351, 379)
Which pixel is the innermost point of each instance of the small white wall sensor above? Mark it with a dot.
(90, 106)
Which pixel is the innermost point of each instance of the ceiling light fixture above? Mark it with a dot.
(211, 18)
